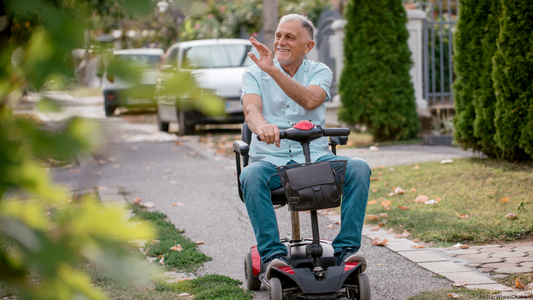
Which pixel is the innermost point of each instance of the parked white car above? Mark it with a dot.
(138, 92)
(217, 65)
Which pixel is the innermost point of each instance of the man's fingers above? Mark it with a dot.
(253, 57)
(276, 136)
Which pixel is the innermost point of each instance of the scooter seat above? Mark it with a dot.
(278, 196)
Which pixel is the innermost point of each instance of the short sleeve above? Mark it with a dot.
(322, 76)
(249, 83)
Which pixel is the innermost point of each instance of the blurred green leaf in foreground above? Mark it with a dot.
(50, 230)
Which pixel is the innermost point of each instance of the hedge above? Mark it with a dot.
(493, 63)
(375, 85)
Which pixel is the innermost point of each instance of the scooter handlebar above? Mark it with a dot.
(281, 136)
(336, 131)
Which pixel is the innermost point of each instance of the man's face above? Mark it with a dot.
(292, 43)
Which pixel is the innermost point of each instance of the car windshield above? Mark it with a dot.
(139, 60)
(216, 56)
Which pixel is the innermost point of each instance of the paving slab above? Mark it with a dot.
(462, 252)
(485, 260)
(528, 264)
(473, 256)
(444, 267)
(422, 256)
(500, 265)
(404, 245)
(508, 254)
(514, 270)
(487, 270)
(469, 277)
(485, 246)
(519, 259)
(492, 286)
(493, 250)
(523, 249)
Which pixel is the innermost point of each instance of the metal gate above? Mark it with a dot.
(438, 37)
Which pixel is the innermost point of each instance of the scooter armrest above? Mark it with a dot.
(241, 147)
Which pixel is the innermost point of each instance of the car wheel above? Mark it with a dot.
(163, 126)
(109, 110)
(251, 282)
(275, 290)
(185, 129)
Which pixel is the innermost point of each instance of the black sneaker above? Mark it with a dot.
(277, 260)
(350, 255)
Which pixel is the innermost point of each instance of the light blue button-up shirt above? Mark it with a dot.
(281, 110)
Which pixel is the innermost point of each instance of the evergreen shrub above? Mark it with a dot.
(493, 90)
(513, 80)
(375, 85)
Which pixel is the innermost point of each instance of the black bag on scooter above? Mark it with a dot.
(313, 186)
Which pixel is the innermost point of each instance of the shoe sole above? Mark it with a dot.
(275, 263)
(357, 258)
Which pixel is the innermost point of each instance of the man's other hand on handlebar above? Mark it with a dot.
(269, 133)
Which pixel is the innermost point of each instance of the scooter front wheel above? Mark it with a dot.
(364, 287)
(275, 290)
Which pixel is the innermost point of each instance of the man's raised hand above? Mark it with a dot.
(266, 60)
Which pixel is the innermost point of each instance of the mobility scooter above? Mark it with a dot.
(312, 273)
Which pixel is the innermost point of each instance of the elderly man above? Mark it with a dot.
(276, 94)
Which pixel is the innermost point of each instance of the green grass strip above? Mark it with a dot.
(209, 287)
(168, 236)
(472, 187)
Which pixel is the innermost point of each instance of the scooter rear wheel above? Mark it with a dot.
(275, 290)
(364, 287)
(251, 282)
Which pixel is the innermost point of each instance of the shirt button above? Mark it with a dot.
(289, 146)
(291, 156)
(288, 106)
(289, 122)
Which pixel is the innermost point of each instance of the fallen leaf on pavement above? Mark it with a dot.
(178, 143)
(372, 202)
(404, 207)
(373, 148)
(330, 226)
(519, 284)
(372, 217)
(460, 284)
(375, 228)
(199, 243)
(462, 216)
(454, 296)
(383, 215)
(460, 246)
(390, 231)
(381, 224)
(137, 200)
(176, 248)
(398, 236)
(178, 204)
(101, 162)
(504, 200)
(375, 179)
(416, 240)
(406, 234)
(148, 204)
(446, 161)
(337, 223)
(416, 167)
(377, 242)
(438, 199)
(421, 199)
(168, 170)
(112, 159)
(391, 194)
(511, 216)
(418, 246)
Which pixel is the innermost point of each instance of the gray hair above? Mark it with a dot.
(306, 23)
